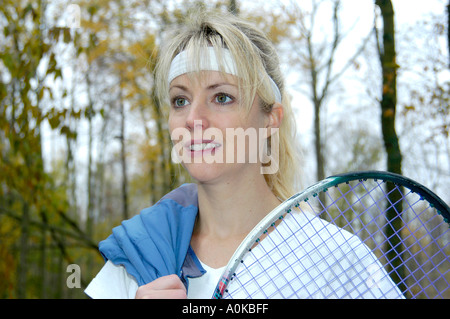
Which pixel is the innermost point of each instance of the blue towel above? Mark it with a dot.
(155, 242)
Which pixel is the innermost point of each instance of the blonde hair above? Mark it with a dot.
(256, 60)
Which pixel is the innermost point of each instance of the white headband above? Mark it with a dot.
(181, 66)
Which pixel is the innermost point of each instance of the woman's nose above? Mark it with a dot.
(198, 116)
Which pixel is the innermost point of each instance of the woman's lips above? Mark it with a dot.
(202, 146)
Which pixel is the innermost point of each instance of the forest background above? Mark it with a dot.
(84, 145)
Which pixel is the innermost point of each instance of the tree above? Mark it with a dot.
(423, 111)
(316, 58)
(388, 103)
(448, 30)
(20, 104)
(30, 196)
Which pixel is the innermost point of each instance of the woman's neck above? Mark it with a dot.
(227, 213)
(233, 209)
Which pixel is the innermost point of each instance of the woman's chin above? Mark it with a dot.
(204, 172)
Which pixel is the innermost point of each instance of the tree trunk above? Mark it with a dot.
(90, 203)
(391, 143)
(448, 32)
(318, 142)
(389, 94)
(23, 252)
(123, 159)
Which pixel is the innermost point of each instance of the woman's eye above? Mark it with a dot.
(223, 99)
(179, 102)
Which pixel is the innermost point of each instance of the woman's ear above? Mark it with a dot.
(275, 115)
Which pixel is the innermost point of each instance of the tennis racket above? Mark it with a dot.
(358, 235)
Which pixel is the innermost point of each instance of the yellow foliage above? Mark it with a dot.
(98, 51)
(9, 234)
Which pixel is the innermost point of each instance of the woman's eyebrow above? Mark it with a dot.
(209, 87)
(179, 86)
(215, 86)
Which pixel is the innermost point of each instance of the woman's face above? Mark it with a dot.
(214, 136)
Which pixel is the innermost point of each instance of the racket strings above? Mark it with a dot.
(313, 272)
(417, 230)
(308, 257)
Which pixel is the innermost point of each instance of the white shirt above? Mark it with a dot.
(203, 287)
(113, 282)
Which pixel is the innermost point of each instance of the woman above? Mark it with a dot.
(221, 80)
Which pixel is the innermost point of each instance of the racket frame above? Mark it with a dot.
(277, 214)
